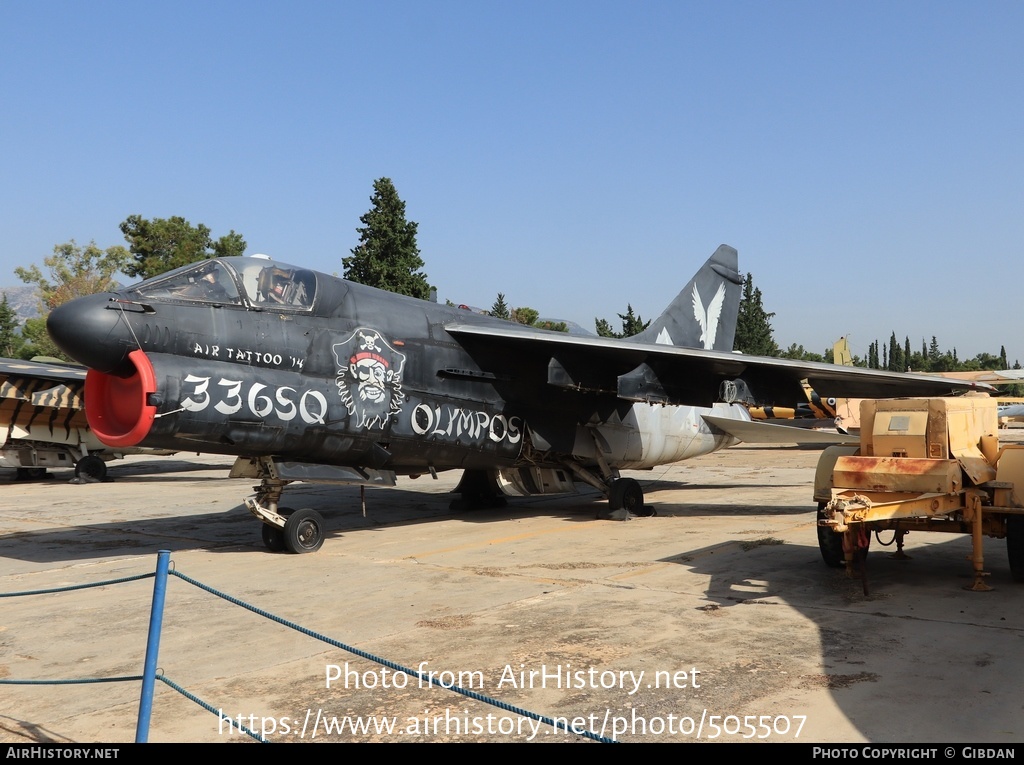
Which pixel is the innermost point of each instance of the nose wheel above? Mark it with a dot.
(304, 531)
(297, 531)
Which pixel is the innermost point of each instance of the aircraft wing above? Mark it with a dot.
(42, 370)
(40, 403)
(672, 374)
(29, 388)
(990, 376)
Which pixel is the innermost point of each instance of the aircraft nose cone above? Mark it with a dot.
(90, 333)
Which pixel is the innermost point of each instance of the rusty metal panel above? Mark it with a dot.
(906, 474)
(867, 426)
(872, 507)
(969, 420)
(1011, 470)
(823, 472)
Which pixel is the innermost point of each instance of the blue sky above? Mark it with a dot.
(866, 159)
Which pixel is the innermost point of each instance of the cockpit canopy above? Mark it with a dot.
(254, 282)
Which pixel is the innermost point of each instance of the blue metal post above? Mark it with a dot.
(156, 618)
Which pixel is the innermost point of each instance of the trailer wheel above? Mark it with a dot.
(1015, 546)
(830, 543)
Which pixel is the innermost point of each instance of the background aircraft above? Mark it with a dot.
(43, 423)
(312, 377)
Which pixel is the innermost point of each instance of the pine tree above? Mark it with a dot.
(753, 326)
(631, 325)
(896, 363)
(387, 256)
(500, 308)
(162, 244)
(11, 341)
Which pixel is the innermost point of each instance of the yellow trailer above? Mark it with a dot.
(923, 464)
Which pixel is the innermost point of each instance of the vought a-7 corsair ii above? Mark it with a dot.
(310, 377)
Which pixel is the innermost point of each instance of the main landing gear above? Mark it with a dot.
(625, 495)
(626, 500)
(91, 469)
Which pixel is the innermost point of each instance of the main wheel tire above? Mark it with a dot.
(273, 537)
(830, 543)
(1015, 546)
(304, 531)
(626, 494)
(91, 469)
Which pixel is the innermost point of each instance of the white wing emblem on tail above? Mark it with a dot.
(708, 319)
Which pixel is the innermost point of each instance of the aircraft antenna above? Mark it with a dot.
(124, 316)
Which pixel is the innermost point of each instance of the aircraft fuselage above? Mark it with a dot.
(343, 374)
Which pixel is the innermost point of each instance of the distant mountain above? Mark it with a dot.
(23, 300)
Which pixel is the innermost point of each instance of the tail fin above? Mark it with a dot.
(704, 314)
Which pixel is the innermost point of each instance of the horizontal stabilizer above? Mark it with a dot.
(768, 433)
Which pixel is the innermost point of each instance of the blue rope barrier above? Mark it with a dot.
(77, 681)
(136, 678)
(71, 587)
(209, 708)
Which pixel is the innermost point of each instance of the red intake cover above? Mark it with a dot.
(116, 407)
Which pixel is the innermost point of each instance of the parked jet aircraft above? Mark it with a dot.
(312, 377)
